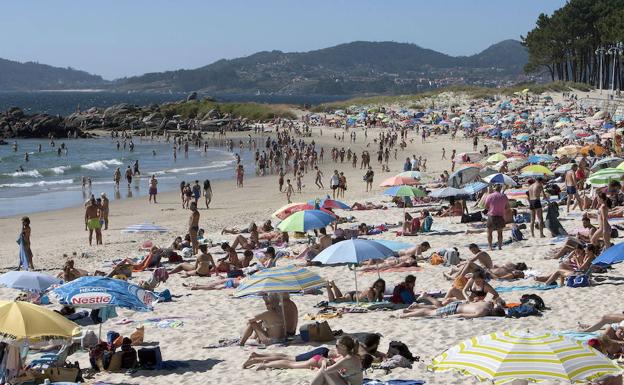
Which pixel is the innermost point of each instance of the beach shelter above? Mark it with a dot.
(500, 179)
(505, 356)
(604, 176)
(536, 169)
(399, 181)
(463, 176)
(303, 221)
(282, 279)
(28, 281)
(145, 228)
(353, 251)
(611, 256)
(25, 321)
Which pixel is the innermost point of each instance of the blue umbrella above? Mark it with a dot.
(612, 255)
(28, 281)
(354, 251)
(539, 158)
(99, 292)
(475, 187)
(394, 245)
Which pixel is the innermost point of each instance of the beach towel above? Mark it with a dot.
(163, 323)
(368, 381)
(321, 316)
(394, 270)
(507, 289)
(579, 336)
(23, 259)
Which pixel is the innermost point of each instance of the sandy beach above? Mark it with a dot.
(208, 316)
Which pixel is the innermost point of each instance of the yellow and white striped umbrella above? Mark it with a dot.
(534, 356)
(283, 279)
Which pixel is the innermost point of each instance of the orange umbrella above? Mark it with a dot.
(598, 150)
(398, 181)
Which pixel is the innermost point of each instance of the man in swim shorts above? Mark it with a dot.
(571, 183)
(193, 228)
(535, 193)
(92, 221)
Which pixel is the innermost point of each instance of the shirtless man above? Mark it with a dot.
(456, 309)
(129, 175)
(230, 261)
(202, 265)
(571, 184)
(117, 177)
(319, 176)
(92, 221)
(105, 209)
(481, 260)
(153, 188)
(535, 193)
(193, 226)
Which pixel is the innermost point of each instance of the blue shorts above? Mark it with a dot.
(322, 351)
(449, 309)
(571, 190)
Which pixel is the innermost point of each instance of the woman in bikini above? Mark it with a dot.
(580, 261)
(346, 370)
(247, 243)
(202, 266)
(476, 289)
(374, 293)
(604, 229)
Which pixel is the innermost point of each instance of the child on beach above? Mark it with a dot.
(289, 190)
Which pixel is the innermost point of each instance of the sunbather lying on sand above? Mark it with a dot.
(607, 319)
(508, 271)
(266, 227)
(391, 263)
(373, 294)
(367, 206)
(202, 266)
(454, 309)
(580, 261)
(220, 284)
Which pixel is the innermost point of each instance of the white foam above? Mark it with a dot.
(31, 174)
(41, 184)
(101, 164)
(215, 164)
(59, 170)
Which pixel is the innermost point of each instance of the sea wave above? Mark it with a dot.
(101, 164)
(41, 183)
(19, 174)
(215, 164)
(56, 170)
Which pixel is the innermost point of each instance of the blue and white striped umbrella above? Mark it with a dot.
(283, 279)
(500, 179)
(145, 228)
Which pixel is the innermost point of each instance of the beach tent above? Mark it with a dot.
(535, 356)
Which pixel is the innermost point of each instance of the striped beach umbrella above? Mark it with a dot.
(604, 176)
(503, 357)
(291, 208)
(500, 179)
(283, 279)
(145, 228)
(405, 191)
(398, 181)
(303, 221)
(516, 193)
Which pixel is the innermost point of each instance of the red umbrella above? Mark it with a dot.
(293, 208)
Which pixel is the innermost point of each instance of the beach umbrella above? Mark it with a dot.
(598, 150)
(496, 158)
(463, 176)
(292, 208)
(28, 281)
(398, 181)
(96, 292)
(571, 150)
(611, 256)
(503, 357)
(405, 191)
(555, 138)
(516, 193)
(145, 228)
(447, 192)
(282, 279)
(604, 176)
(303, 221)
(410, 174)
(395, 246)
(353, 251)
(25, 321)
(537, 169)
(500, 179)
(564, 168)
(607, 163)
(541, 158)
(474, 187)
(523, 137)
(327, 203)
(620, 166)
(512, 163)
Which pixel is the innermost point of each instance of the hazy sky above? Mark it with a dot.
(116, 38)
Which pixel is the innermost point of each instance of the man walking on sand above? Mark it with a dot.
(535, 193)
(496, 204)
(570, 181)
(92, 221)
(193, 227)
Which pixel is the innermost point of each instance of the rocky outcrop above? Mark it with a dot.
(14, 123)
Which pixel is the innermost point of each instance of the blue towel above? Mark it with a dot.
(23, 259)
(507, 289)
(368, 381)
(579, 336)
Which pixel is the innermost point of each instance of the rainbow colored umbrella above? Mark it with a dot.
(405, 191)
(283, 279)
(303, 221)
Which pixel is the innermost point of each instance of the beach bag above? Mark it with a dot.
(319, 332)
(58, 374)
(523, 310)
(473, 217)
(111, 336)
(165, 296)
(138, 335)
(516, 234)
(451, 257)
(578, 281)
(89, 340)
(534, 300)
(150, 358)
(127, 359)
(398, 348)
(614, 233)
(436, 259)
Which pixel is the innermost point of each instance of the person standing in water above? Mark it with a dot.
(153, 188)
(129, 176)
(207, 193)
(117, 177)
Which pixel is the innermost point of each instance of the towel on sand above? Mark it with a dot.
(368, 381)
(579, 336)
(507, 289)
(394, 269)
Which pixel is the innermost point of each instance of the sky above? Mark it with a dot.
(118, 38)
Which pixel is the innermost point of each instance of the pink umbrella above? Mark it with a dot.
(291, 209)
(399, 181)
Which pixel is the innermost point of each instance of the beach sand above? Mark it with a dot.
(208, 316)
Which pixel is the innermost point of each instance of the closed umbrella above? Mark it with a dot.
(28, 281)
(25, 321)
(303, 221)
(353, 251)
(503, 357)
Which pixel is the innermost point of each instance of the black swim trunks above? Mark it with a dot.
(535, 204)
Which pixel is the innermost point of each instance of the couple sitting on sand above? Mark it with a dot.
(268, 327)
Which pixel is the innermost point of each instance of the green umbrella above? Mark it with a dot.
(405, 191)
(303, 221)
(604, 176)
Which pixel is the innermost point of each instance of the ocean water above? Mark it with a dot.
(49, 181)
(66, 102)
